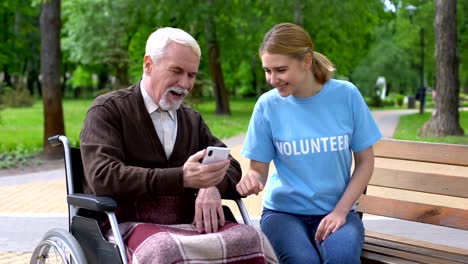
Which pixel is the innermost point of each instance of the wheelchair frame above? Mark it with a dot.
(76, 242)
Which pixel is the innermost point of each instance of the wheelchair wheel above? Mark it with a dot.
(58, 246)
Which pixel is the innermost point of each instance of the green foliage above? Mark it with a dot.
(462, 15)
(395, 52)
(19, 45)
(374, 101)
(342, 30)
(19, 157)
(81, 78)
(107, 38)
(136, 52)
(104, 45)
(19, 97)
(399, 98)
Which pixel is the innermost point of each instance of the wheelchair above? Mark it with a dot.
(83, 242)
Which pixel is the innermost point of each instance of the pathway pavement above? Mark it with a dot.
(33, 203)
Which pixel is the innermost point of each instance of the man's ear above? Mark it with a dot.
(147, 64)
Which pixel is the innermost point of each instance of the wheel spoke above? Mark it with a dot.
(58, 246)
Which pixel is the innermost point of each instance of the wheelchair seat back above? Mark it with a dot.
(77, 170)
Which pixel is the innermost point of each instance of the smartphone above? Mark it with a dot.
(215, 154)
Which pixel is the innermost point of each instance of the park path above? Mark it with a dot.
(34, 202)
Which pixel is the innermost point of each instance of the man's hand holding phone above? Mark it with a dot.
(210, 171)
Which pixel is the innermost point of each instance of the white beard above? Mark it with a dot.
(168, 106)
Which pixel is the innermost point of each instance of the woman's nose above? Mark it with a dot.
(273, 78)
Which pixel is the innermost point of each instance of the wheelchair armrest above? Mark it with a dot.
(233, 195)
(92, 202)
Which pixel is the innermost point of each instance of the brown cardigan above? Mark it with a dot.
(123, 158)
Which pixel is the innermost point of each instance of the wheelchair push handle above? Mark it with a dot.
(55, 140)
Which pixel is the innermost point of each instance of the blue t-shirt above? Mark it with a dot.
(310, 141)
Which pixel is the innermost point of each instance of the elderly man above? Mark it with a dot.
(142, 146)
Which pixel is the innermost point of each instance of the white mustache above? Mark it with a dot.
(176, 89)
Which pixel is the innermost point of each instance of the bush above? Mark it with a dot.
(388, 102)
(399, 98)
(376, 101)
(19, 158)
(19, 97)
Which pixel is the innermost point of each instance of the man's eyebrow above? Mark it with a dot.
(175, 68)
(180, 69)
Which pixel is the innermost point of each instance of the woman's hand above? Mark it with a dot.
(254, 181)
(330, 224)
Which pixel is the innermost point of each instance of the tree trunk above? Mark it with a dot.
(299, 12)
(50, 69)
(221, 96)
(32, 82)
(121, 74)
(446, 119)
(103, 78)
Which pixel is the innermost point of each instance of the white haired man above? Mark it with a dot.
(143, 146)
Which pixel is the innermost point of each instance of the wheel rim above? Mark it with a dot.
(50, 251)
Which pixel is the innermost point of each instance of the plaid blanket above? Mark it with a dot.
(233, 243)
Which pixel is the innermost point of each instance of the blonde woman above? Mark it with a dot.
(310, 126)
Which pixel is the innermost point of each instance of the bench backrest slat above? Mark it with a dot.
(420, 151)
(418, 167)
(424, 213)
(421, 182)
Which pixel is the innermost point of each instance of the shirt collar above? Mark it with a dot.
(150, 105)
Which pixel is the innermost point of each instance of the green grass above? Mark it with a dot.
(227, 126)
(22, 128)
(409, 125)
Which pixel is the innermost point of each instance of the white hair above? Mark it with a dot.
(159, 40)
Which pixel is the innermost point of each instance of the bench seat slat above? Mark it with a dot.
(417, 243)
(418, 212)
(421, 151)
(423, 249)
(423, 182)
(368, 257)
(399, 254)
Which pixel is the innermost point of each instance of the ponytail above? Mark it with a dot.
(322, 68)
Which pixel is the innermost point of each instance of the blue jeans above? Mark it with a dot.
(292, 238)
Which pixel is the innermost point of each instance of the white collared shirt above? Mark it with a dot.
(165, 122)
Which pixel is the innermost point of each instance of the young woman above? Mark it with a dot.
(311, 126)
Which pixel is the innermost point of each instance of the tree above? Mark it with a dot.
(462, 23)
(19, 43)
(221, 96)
(50, 69)
(446, 120)
(104, 45)
(299, 12)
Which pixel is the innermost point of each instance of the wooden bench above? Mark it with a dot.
(420, 182)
